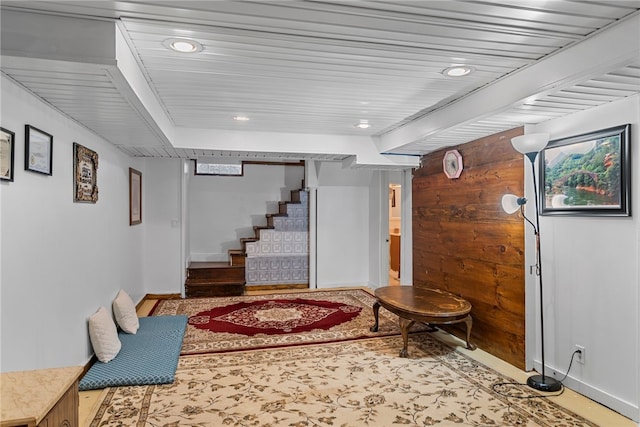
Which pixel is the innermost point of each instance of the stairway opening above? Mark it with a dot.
(270, 254)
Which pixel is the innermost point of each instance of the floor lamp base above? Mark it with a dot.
(544, 383)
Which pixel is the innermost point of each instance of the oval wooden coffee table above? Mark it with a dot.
(431, 306)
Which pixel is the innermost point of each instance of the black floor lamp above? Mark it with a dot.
(530, 145)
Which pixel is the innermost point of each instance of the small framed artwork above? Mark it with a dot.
(7, 153)
(588, 174)
(38, 152)
(85, 174)
(135, 197)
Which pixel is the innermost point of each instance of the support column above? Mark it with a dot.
(406, 229)
(311, 184)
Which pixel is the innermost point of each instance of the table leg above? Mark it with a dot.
(376, 309)
(405, 325)
(469, 322)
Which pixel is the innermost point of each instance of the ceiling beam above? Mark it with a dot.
(360, 149)
(605, 51)
(133, 85)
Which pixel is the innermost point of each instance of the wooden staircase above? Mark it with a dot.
(214, 279)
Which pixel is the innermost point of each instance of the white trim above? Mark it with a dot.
(628, 409)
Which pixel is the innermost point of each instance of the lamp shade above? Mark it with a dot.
(530, 143)
(512, 203)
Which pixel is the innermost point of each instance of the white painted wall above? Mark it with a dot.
(343, 223)
(162, 182)
(224, 209)
(592, 280)
(61, 260)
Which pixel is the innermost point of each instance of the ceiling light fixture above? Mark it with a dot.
(240, 118)
(458, 71)
(182, 45)
(363, 124)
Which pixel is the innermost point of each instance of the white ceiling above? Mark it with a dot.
(319, 67)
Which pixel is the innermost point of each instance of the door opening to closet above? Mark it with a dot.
(395, 197)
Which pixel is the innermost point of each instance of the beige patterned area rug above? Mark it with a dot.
(350, 383)
(351, 309)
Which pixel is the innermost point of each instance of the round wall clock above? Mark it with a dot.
(452, 164)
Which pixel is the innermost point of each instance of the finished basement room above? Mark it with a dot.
(309, 213)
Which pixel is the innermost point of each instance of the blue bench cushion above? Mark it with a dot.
(148, 357)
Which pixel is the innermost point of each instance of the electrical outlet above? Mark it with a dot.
(580, 357)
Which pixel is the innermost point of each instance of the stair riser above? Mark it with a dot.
(237, 259)
(214, 290)
(225, 274)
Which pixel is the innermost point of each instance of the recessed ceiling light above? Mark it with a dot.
(458, 71)
(182, 45)
(241, 118)
(363, 124)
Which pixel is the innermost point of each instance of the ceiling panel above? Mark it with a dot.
(585, 95)
(91, 99)
(319, 67)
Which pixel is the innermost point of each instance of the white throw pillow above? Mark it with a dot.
(104, 335)
(125, 313)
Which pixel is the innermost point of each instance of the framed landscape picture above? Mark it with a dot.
(85, 174)
(588, 174)
(38, 152)
(135, 197)
(7, 154)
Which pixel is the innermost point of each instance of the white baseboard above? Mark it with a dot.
(628, 409)
(625, 408)
(340, 285)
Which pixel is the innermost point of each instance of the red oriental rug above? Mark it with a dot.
(277, 320)
(277, 316)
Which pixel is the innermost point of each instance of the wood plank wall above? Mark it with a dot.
(464, 243)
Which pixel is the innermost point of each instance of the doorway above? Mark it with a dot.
(395, 226)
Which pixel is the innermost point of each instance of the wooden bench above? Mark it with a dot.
(431, 306)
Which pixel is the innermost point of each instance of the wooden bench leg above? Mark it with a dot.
(405, 325)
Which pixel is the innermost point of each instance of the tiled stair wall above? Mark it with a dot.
(281, 255)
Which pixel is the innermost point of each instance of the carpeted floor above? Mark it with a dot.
(269, 321)
(352, 383)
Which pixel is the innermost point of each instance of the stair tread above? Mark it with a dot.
(211, 264)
